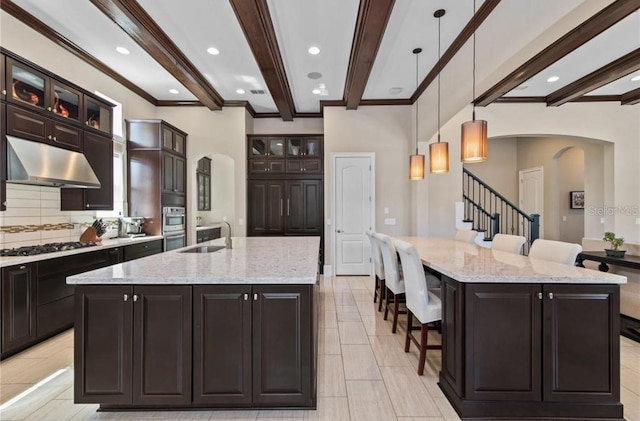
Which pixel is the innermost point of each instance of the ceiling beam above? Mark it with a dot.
(257, 26)
(631, 97)
(137, 23)
(613, 71)
(577, 37)
(481, 14)
(373, 16)
(31, 21)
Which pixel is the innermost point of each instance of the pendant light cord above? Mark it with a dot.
(417, 103)
(440, 71)
(473, 100)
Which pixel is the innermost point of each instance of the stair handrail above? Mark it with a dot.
(501, 197)
(477, 206)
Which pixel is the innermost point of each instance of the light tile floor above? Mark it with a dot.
(363, 373)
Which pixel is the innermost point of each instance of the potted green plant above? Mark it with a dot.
(616, 243)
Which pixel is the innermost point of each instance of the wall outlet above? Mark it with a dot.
(329, 221)
(602, 220)
(240, 221)
(386, 211)
(77, 229)
(389, 221)
(564, 218)
(637, 221)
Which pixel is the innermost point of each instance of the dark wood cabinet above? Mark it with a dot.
(203, 184)
(98, 116)
(156, 151)
(222, 345)
(253, 345)
(136, 251)
(3, 157)
(99, 153)
(304, 207)
(18, 306)
(556, 356)
(33, 126)
(282, 347)
(266, 207)
(129, 336)
(3, 81)
(203, 235)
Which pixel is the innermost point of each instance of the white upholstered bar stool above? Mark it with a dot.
(392, 278)
(466, 236)
(511, 243)
(555, 251)
(378, 270)
(421, 303)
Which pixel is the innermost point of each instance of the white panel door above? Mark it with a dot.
(353, 214)
(532, 193)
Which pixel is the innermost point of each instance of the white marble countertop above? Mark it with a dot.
(208, 226)
(253, 260)
(471, 263)
(106, 243)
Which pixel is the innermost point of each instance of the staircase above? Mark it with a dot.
(491, 213)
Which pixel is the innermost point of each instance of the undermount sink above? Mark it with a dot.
(203, 249)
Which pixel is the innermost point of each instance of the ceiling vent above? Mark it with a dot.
(258, 91)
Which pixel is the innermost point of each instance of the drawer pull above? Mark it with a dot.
(246, 297)
(539, 296)
(255, 297)
(551, 295)
(22, 267)
(126, 297)
(135, 297)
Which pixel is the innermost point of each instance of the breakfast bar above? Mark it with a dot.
(524, 338)
(201, 327)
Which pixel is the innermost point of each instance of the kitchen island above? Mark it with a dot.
(524, 338)
(231, 328)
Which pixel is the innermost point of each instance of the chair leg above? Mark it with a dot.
(383, 294)
(388, 295)
(407, 339)
(396, 310)
(376, 287)
(423, 348)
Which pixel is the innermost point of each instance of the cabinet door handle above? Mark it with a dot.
(126, 297)
(135, 297)
(55, 138)
(539, 296)
(22, 267)
(49, 137)
(246, 297)
(4, 92)
(255, 297)
(281, 206)
(288, 207)
(551, 295)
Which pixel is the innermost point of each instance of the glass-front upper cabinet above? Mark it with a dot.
(173, 140)
(304, 147)
(66, 101)
(266, 146)
(3, 80)
(98, 115)
(25, 85)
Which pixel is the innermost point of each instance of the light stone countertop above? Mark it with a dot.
(253, 260)
(208, 226)
(6, 261)
(470, 263)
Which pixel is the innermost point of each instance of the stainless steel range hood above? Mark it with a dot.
(44, 165)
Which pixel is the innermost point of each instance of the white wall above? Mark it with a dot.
(570, 178)
(278, 126)
(386, 131)
(502, 177)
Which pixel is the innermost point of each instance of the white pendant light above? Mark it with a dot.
(416, 161)
(474, 146)
(439, 151)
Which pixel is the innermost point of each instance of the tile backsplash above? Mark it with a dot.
(33, 216)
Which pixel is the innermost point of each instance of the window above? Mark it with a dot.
(119, 160)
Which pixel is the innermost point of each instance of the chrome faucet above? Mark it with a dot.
(227, 240)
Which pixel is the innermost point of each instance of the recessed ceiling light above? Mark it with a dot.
(240, 91)
(553, 79)
(316, 91)
(213, 51)
(395, 91)
(174, 91)
(313, 50)
(123, 50)
(521, 87)
(314, 75)
(636, 78)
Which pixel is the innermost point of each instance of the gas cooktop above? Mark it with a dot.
(45, 248)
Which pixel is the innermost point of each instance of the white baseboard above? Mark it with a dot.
(327, 270)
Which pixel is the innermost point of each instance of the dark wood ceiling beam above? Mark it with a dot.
(137, 23)
(613, 71)
(257, 26)
(481, 14)
(631, 97)
(373, 16)
(37, 25)
(577, 37)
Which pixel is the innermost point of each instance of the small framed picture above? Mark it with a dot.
(576, 200)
